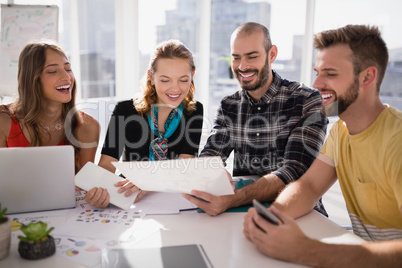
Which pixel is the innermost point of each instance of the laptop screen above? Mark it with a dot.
(37, 178)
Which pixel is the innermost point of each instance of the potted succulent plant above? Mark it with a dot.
(37, 243)
(5, 233)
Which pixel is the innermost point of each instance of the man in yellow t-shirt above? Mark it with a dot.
(369, 170)
(363, 150)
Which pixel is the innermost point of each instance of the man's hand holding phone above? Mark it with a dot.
(265, 213)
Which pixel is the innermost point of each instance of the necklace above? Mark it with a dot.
(52, 128)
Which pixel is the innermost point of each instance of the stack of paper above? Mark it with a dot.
(179, 175)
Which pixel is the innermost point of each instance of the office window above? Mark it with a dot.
(384, 14)
(284, 20)
(96, 33)
(165, 19)
(172, 19)
(158, 27)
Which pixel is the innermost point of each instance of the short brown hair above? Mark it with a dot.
(366, 43)
(250, 27)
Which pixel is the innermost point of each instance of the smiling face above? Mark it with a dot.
(172, 80)
(57, 78)
(250, 62)
(336, 81)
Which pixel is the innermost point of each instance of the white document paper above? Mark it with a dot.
(107, 223)
(84, 251)
(87, 252)
(92, 175)
(206, 174)
(154, 203)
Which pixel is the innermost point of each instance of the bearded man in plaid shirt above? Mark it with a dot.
(275, 127)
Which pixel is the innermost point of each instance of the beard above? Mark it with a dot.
(342, 102)
(262, 78)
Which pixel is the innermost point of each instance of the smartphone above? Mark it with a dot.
(265, 213)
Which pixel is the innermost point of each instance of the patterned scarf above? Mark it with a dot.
(158, 148)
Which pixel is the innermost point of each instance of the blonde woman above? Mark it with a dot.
(164, 123)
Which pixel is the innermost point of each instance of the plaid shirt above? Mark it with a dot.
(282, 133)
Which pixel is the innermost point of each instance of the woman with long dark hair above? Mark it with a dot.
(44, 113)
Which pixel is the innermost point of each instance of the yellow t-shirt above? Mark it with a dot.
(369, 170)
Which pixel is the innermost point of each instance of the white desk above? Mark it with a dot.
(222, 238)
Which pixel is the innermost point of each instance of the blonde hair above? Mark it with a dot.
(29, 106)
(166, 50)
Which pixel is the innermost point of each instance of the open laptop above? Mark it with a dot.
(37, 178)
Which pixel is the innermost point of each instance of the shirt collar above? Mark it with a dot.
(271, 92)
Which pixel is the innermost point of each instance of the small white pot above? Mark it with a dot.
(5, 238)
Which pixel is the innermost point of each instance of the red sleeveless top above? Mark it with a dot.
(16, 137)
